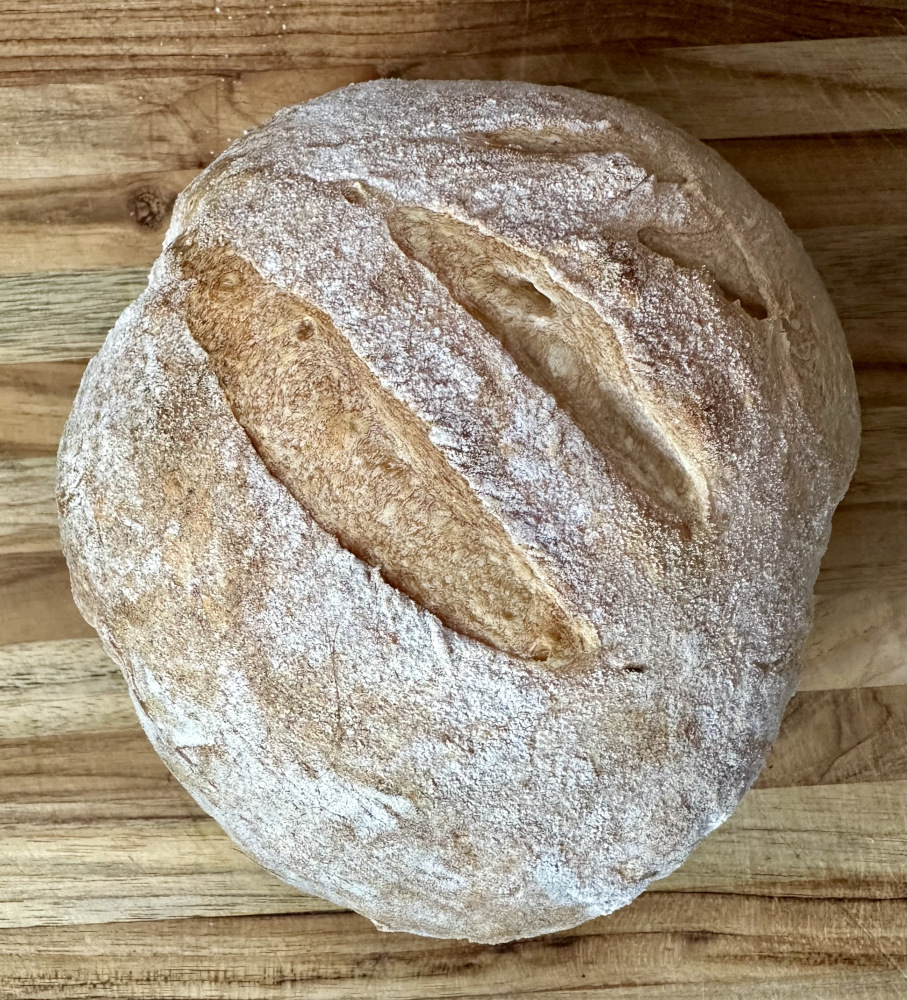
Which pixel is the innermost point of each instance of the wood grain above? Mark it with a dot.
(36, 600)
(833, 840)
(58, 316)
(175, 122)
(828, 180)
(102, 220)
(51, 688)
(881, 473)
(28, 514)
(678, 946)
(840, 736)
(140, 124)
(133, 870)
(35, 400)
(88, 39)
(841, 840)
(863, 268)
(858, 639)
(866, 549)
(91, 778)
(721, 91)
(108, 112)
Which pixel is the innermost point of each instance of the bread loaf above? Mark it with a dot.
(453, 496)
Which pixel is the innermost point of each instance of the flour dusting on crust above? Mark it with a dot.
(339, 732)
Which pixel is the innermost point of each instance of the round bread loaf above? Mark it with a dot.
(453, 496)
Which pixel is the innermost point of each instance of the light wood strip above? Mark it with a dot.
(722, 91)
(133, 870)
(835, 984)
(57, 316)
(28, 513)
(96, 776)
(831, 840)
(98, 221)
(54, 688)
(663, 947)
(151, 38)
(858, 639)
(35, 400)
(845, 841)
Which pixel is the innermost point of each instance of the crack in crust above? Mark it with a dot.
(725, 264)
(561, 344)
(360, 462)
(551, 143)
(722, 263)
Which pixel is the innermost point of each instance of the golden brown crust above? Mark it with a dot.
(362, 465)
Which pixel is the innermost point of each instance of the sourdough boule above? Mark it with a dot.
(453, 495)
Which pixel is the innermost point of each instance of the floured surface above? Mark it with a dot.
(363, 466)
(338, 730)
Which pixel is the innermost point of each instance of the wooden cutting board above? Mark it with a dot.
(112, 882)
